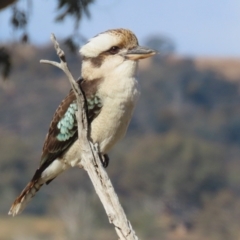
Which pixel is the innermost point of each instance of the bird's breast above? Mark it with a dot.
(112, 122)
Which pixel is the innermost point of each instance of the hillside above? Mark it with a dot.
(179, 162)
(228, 67)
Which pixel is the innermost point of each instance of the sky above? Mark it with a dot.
(197, 27)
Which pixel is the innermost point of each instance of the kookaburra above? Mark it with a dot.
(109, 62)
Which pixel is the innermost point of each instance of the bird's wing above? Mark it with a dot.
(63, 130)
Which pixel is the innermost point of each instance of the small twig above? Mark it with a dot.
(90, 159)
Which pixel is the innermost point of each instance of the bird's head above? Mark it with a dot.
(112, 53)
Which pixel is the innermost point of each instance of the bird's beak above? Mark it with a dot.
(139, 53)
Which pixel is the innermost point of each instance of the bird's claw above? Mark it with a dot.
(104, 160)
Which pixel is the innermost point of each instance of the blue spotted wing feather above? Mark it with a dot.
(62, 131)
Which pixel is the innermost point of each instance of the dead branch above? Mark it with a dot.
(90, 158)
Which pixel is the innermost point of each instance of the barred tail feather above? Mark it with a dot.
(26, 195)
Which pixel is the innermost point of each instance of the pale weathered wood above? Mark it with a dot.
(90, 159)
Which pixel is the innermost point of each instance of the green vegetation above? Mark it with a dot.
(176, 172)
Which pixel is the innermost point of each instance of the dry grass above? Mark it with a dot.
(33, 228)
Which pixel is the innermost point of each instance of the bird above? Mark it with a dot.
(108, 80)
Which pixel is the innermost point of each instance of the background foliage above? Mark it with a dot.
(178, 163)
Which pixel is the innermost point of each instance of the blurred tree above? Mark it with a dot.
(176, 167)
(231, 130)
(5, 62)
(20, 19)
(162, 44)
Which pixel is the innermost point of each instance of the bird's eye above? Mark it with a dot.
(113, 50)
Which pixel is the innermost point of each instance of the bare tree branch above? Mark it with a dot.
(90, 158)
(5, 3)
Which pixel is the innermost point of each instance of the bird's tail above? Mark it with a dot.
(26, 195)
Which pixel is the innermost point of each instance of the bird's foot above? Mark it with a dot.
(104, 160)
(103, 157)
